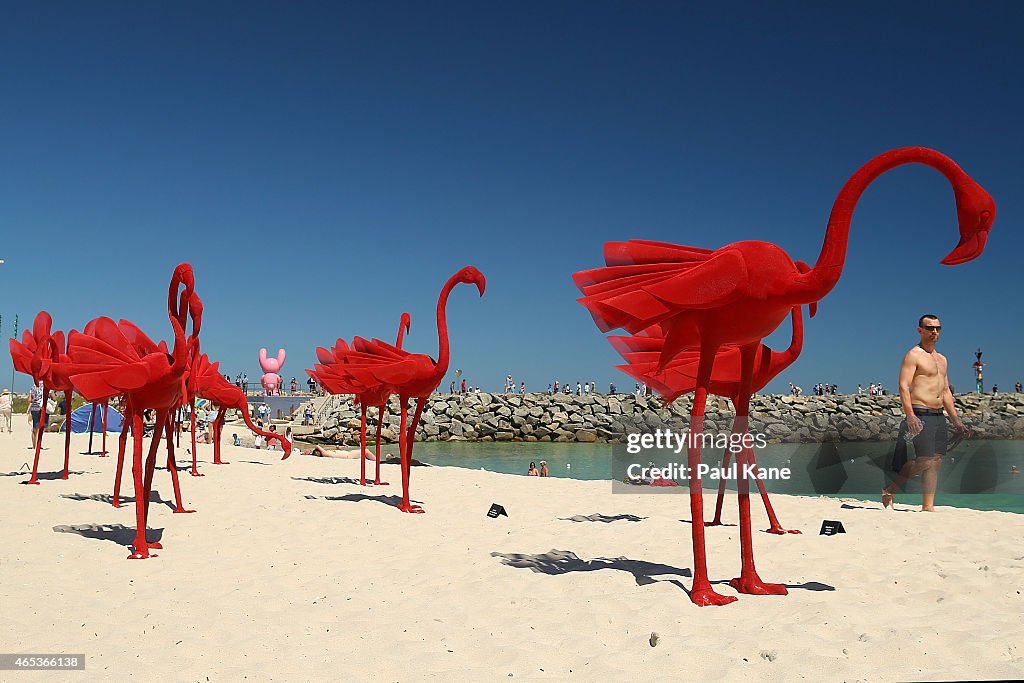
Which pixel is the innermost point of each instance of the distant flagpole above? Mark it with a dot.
(14, 336)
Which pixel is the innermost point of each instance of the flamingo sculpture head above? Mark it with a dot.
(471, 276)
(975, 212)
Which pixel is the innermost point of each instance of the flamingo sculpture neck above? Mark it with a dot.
(403, 328)
(443, 350)
(975, 208)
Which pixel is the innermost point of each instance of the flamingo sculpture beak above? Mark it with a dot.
(481, 283)
(976, 211)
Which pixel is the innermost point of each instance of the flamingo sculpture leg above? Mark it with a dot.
(141, 545)
(195, 471)
(739, 294)
(172, 465)
(381, 410)
(218, 430)
(67, 432)
(34, 479)
(106, 412)
(122, 442)
(748, 581)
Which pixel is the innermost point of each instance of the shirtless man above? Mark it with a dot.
(924, 393)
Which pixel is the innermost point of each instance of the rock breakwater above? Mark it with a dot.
(610, 418)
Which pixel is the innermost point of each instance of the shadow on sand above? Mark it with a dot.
(117, 533)
(108, 498)
(328, 480)
(598, 517)
(390, 501)
(556, 562)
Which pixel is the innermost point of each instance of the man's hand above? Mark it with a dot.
(914, 425)
(960, 427)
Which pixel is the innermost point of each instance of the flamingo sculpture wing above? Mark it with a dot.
(330, 373)
(108, 361)
(679, 377)
(739, 294)
(411, 376)
(42, 354)
(210, 384)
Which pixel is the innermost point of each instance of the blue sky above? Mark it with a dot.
(326, 166)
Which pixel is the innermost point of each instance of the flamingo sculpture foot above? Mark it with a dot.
(31, 481)
(409, 507)
(196, 473)
(379, 483)
(705, 596)
(116, 504)
(180, 510)
(751, 584)
(718, 522)
(779, 531)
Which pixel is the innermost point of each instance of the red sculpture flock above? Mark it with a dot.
(737, 295)
(696, 320)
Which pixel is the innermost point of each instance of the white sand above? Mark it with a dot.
(289, 571)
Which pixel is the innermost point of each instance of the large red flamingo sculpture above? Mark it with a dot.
(679, 377)
(42, 354)
(739, 294)
(411, 376)
(110, 361)
(330, 374)
(210, 384)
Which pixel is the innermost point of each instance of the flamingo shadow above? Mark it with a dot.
(255, 462)
(847, 506)
(390, 501)
(117, 533)
(555, 562)
(108, 498)
(51, 476)
(328, 480)
(607, 519)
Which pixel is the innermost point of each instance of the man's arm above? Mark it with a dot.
(907, 370)
(950, 406)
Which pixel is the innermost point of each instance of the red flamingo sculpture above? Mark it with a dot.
(330, 374)
(111, 361)
(739, 294)
(42, 354)
(210, 384)
(411, 376)
(679, 377)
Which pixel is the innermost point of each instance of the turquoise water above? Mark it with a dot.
(974, 475)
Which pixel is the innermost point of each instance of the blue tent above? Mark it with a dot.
(80, 420)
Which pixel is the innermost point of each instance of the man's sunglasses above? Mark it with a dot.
(932, 328)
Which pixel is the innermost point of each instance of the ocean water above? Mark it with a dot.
(976, 474)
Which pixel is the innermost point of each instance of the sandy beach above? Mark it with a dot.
(290, 570)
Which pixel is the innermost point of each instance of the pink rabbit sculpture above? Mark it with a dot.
(271, 380)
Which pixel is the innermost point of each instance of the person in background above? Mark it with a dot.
(6, 404)
(295, 386)
(543, 468)
(35, 409)
(532, 472)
